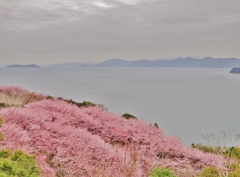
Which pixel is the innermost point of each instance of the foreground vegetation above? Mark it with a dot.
(17, 164)
(70, 139)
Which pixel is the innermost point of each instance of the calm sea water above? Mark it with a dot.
(184, 102)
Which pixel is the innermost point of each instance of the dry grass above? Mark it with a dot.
(19, 100)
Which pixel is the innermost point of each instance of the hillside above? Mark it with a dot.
(73, 139)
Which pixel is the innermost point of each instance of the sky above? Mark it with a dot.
(59, 31)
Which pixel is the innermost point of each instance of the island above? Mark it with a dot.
(235, 71)
(23, 66)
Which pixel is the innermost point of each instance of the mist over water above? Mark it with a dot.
(184, 102)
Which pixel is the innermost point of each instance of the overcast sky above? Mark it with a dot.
(57, 31)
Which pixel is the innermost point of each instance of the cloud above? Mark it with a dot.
(129, 2)
(38, 13)
(102, 4)
(119, 28)
(27, 14)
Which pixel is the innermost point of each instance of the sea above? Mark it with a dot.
(187, 103)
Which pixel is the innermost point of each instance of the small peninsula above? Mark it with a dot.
(235, 71)
(23, 66)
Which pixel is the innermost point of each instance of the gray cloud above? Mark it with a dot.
(72, 30)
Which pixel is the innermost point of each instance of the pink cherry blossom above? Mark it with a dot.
(72, 141)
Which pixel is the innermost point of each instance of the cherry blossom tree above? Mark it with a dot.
(72, 141)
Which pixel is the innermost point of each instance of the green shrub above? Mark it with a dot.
(235, 173)
(162, 172)
(1, 136)
(234, 170)
(83, 104)
(209, 172)
(128, 116)
(235, 153)
(17, 164)
(1, 121)
(86, 104)
(2, 105)
(49, 97)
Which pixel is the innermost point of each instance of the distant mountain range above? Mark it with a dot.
(189, 62)
(207, 62)
(72, 64)
(23, 66)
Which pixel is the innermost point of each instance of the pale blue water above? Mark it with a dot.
(184, 102)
